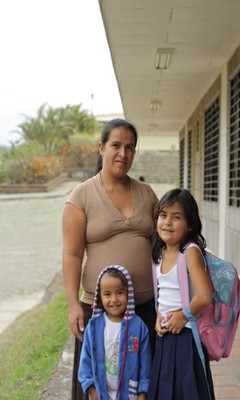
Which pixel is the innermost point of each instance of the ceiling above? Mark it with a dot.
(203, 35)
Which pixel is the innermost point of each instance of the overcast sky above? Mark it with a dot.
(53, 51)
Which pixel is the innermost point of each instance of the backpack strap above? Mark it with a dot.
(154, 274)
(184, 288)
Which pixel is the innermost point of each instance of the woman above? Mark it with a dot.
(109, 218)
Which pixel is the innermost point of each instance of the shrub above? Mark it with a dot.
(25, 151)
(77, 155)
(29, 163)
(83, 155)
(35, 170)
(2, 173)
(42, 169)
(16, 171)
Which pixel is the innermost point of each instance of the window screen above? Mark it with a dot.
(211, 151)
(234, 142)
(181, 163)
(189, 176)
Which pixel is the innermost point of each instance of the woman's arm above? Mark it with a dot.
(74, 232)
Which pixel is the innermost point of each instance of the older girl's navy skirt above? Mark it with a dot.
(177, 372)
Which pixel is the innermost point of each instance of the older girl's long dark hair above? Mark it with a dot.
(190, 207)
(107, 129)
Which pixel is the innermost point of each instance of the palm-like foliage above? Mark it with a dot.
(51, 126)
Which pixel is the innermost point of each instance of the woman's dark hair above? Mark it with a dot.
(107, 129)
(190, 207)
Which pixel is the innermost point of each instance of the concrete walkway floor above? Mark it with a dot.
(226, 373)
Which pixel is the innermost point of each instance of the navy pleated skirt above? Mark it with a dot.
(177, 372)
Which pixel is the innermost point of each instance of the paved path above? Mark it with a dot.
(226, 374)
(30, 248)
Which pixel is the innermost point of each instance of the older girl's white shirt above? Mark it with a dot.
(169, 293)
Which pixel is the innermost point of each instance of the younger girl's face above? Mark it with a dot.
(172, 225)
(113, 296)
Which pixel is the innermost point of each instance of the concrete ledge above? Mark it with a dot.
(27, 188)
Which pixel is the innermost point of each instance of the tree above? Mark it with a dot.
(52, 126)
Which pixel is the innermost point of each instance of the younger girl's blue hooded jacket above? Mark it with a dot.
(134, 350)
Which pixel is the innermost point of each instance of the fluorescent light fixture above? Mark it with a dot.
(155, 104)
(152, 126)
(163, 58)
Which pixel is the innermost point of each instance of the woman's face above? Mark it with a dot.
(118, 152)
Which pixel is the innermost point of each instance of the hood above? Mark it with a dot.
(130, 310)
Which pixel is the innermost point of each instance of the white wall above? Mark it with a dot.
(159, 143)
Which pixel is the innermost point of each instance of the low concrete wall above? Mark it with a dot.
(25, 188)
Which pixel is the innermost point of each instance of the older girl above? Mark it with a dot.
(177, 371)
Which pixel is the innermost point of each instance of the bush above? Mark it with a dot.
(28, 162)
(76, 155)
(36, 170)
(2, 173)
(16, 171)
(42, 169)
(82, 155)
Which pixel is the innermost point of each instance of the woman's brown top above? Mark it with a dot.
(112, 238)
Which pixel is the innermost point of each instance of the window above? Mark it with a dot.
(189, 176)
(211, 150)
(234, 142)
(181, 163)
(197, 135)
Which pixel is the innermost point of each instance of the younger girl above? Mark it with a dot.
(177, 371)
(115, 360)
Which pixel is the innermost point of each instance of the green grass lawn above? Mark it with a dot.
(30, 349)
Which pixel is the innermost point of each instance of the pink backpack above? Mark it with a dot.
(216, 326)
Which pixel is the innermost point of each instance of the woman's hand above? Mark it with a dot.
(92, 393)
(175, 321)
(76, 321)
(142, 396)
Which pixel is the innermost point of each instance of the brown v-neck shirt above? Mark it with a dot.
(112, 238)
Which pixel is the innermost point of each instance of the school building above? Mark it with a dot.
(177, 65)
